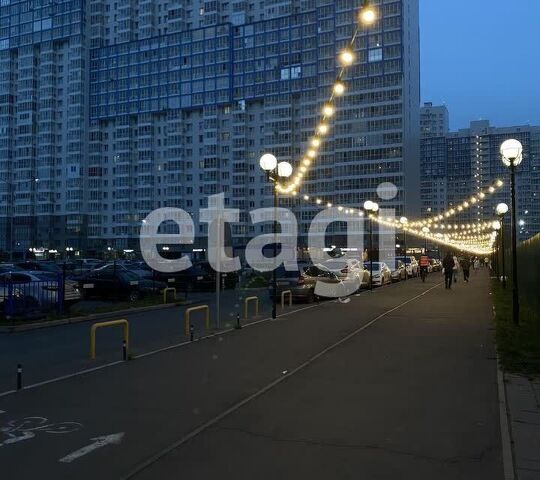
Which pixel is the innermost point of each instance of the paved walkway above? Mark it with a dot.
(523, 397)
(401, 383)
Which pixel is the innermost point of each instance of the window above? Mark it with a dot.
(375, 55)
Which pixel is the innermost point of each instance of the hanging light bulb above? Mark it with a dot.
(328, 110)
(323, 129)
(346, 58)
(339, 88)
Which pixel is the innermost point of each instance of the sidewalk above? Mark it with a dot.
(523, 403)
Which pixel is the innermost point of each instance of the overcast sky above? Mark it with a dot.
(482, 59)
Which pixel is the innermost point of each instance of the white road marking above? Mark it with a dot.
(99, 442)
(143, 466)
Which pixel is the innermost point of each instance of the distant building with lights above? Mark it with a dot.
(456, 165)
(110, 110)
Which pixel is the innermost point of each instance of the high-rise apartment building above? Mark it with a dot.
(463, 163)
(111, 109)
(434, 120)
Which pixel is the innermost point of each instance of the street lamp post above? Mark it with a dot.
(501, 211)
(372, 208)
(425, 231)
(274, 172)
(512, 156)
(497, 228)
(404, 221)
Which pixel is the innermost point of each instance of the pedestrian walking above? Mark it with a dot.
(456, 268)
(476, 264)
(466, 267)
(448, 267)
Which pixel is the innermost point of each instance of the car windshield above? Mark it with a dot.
(281, 272)
(45, 276)
(376, 266)
(336, 264)
(406, 261)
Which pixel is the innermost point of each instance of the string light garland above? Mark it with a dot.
(367, 16)
(468, 238)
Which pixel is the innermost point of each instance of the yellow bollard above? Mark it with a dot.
(112, 323)
(166, 291)
(188, 313)
(247, 301)
(286, 292)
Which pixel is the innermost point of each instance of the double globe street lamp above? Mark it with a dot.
(372, 208)
(512, 156)
(274, 172)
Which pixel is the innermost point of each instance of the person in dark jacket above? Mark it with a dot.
(448, 265)
(466, 267)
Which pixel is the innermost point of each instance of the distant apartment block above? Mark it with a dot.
(434, 120)
(462, 163)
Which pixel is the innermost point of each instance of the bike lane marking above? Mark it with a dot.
(98, 442)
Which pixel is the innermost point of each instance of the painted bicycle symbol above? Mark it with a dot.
(27, 428)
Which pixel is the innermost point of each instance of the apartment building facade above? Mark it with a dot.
(112, 109)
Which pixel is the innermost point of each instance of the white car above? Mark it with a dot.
(381, 273)
(349, 269)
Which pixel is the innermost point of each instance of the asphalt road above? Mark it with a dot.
(56, 351)
(400, 383)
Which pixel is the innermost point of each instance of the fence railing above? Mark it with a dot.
(21, 298)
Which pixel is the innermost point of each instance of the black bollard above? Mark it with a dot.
(124, 350)
(238, 324)
(191, 333)
(19, 376)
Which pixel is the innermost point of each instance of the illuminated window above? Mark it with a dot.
(375, 55)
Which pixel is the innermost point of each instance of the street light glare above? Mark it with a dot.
(368, 15)
(268, 162)
(285, 169)
(512, 152)
(501, 209)
(339, 88)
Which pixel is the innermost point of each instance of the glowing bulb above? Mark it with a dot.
(307, 162)
(328, 110)
(346, 58)
(368, 15)
(311, 153)
(339, 88)
(306, 198)
(323, 129)
(499, 183)
(315, 142)
(319, 201)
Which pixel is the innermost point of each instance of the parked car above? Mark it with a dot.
(399, 272)
(381, 273)
(115, 281)
(411, 265)
(40, 266)
(436, 265)
(10, 267)
(349, 269)
(302, 282)
(42, 286)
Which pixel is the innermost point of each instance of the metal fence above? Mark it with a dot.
(529, 272)
(21, 297)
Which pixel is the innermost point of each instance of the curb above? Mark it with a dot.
(506, 436)
(89, 318)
